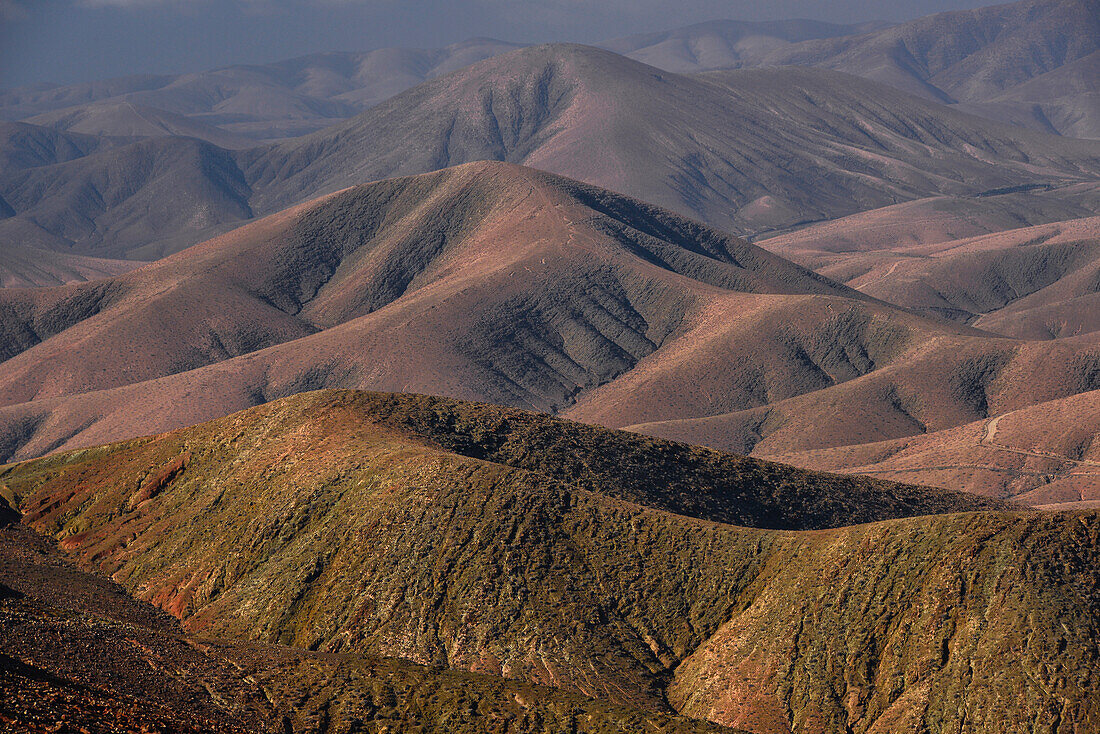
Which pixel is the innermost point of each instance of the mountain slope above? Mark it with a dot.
(137, 201)
(1031, 63)
(1046, 454)
(28, 267)
(744, 151)
(1037, 282)
(453, 240)
(125, 119)
(725, 44)
(23, 145)
(77, 650)
(268, 101)
(371, 528)
(940, 384)
(502, 284)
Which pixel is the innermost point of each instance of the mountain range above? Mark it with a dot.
(1032, 62)
(499, 283)
(742, 377)
(747, 151)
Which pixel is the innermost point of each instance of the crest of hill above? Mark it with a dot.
(359, 523)
(343, 257)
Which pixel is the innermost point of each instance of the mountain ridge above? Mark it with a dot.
(620, 595)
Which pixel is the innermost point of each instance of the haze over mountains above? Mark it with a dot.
(1031, 62)
(748, 150)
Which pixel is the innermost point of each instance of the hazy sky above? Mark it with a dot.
(76, 40)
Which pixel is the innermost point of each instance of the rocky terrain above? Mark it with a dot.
(516, 545)
(742, 377)
(79, 653)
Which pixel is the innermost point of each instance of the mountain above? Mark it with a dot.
(80, 652)
(127, 120)
(726, 44)
(996, 57)
(1032, 63)
(744, 151)
(493, 255)
(27, 267)
(28, 146)
(938, 384)
(505, 543)
(1045, 455)
(747, 151)
(138, 200)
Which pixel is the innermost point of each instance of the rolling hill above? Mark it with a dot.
(127, 120)
(1045, 455)
(744, 151)
(79, 652)
(1037, 282)
(262, 102)
(28, 267)
(137, 200)
(461, 256)
(726, 44)
(505, 543)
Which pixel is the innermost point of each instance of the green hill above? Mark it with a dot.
(504, 543)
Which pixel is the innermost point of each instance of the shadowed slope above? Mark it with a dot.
(28, 146)
(155, 193)
(338, 521)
